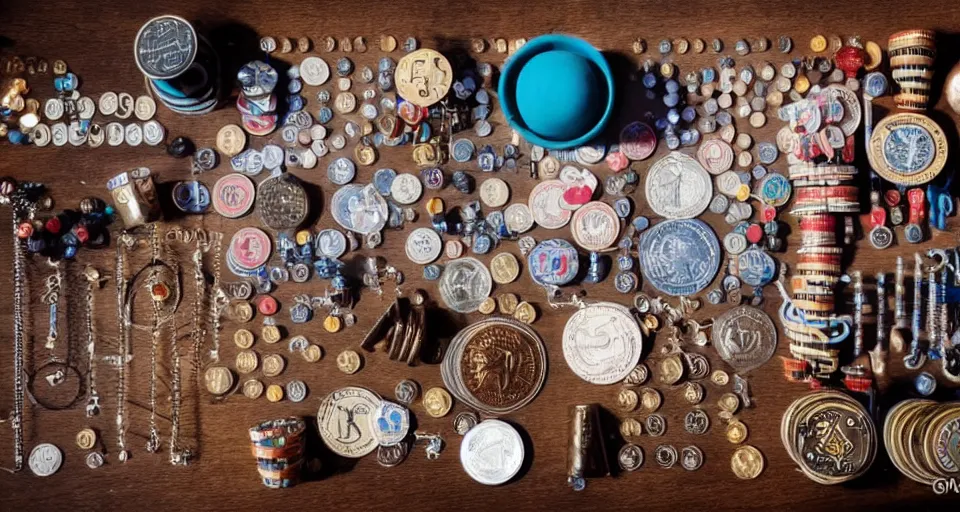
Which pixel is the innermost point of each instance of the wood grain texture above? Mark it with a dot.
(95, 38)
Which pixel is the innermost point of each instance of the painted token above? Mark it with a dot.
(233, 195)
(907, 149)
(494, 192)
(423, 77)
(518, 218)
(504, 268)
(423, 246)
(553, 262)
(331, 243)
(463, 150)
(406, 188)
(465, 283)
(715, 155)
(390, 423)
(638, 141)
(678, 187)
(595, 226)
(344, 421)
(756, 267)
(360, 208)
(767, 153)
(744, 337)
(679, 257)
(492, 452)
(775, 189)
(250, 248)
(544, 203)
(602, 343)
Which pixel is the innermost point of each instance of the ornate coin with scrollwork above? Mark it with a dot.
(282, 202)
(908, 149)
(745, 337)
(678, 187)
(679, 257)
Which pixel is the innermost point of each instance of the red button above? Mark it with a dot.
(267, 305)
(754, 233)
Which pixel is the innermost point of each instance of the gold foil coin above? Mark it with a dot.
(507, 303)
(243, 338)
(274, 393)
(736, 432)
(437, 402)
(650, 399)
(627, 399)
(247, 361)
(423, 77)
(504, 268)
(312, 354)
(86, 439)
(631, 427)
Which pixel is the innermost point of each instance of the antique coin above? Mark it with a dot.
(525, 313)
(745, 337)
(504, 268)
(691, 458)
(679, 257)
(507, 303)
(423, 77)
(390, 423)
(671, 369)
(423, 246)
(406, 392)
(360, 208)
(696, 422)
(907, 149)
(296, 390)
(544, 203)
(729, 402)
(218, 380)
(391, 456)
(747, 462)
(698, 365)
(312, 354)
(494, 192)
(630, 427)
(86, 439)
(666, 456)
(630, 457)
(45, 459)
(273, 365)
(595, 226)
(282, 202)
(348, 362)
(719, 377)
(488, 306)
(656, 425)
(638, 376)
(314, 71)
(627, 399)
(464, 421)
(650, 399)
(602, 343)
(331, 243)
(94, 460)
(518, 218)
(678, 187)
(437, 402)
(736, 432)
(165, 47)
(344, 421)
(406, 188)
(465, 283)
(247, 361)
(693, 393)
(252, 389)
(492, 452)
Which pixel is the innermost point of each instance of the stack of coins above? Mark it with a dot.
(912, 56)
(402, 326)
(278, 446)
(830, 436)
(257, 102)
(181, 66)
(923, 439)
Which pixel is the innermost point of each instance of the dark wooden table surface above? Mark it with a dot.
(96, 37)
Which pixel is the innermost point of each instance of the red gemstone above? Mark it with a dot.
(53, 225)
(82, 234)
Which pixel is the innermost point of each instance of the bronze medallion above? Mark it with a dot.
(282, 202)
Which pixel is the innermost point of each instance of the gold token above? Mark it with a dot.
(504, 268)
(525, 313)
(332, 323)
(801, 84)
(437, 402)
(303, 237)
(388, 43)
(699, 45)
(231, 140)
(650, 399)
(86, 439)
(365, 154)
(312, 354)
(274, 393)
(651, 322)
(273, 365)
(681, 45)
(423, 77)
(303, 44)
(631, 427)
(747, 462)
(637, 376)
(736, 432)
(743, 191)
(874, 56)
(507, 303)
(346, 45)
(818, 43)
(500, 45)
(247, 361)
(671, 369)
(627, 399)
(425, 155)
(286, 45)
(348, 362)
(243, 338)
(693, 393)
(252, 389)
(270, 333)
(719, 377)
(241, 311)
(666, 70)
(489, 305)
(59, 67)
(729, 402)
(478, 45)
(434, 206)
(218, 379)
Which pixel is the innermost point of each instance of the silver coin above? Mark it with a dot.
(602, 343)
(630, 457)
(282, 202)
(341, 171)
(390, 456)
(691, 458)
(666, 456)
(518, 218)
(360, 208)
(153, 133)
(59, 134)
(45, 459)
(465, 284)
(679, 257)
(331, 243)
(492, 452)
(407, 391)
(165, 47)
(125, 105)
(86, 108)
(852, 112)
(698, 366)
(296, 390)
(696, 422)
(272, 156)
(423, 246)
(465, 421)
(744, 337)
(133, 134)
(41, 135)
(678, 187)
(114, 134)
(637, 376)
(656, 425)
(108, 103)
(94, 460)
(53, 109)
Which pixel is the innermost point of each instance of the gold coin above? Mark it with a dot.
(243, 338)
(252, 389)
(801, 84)
(286, 45)
(423, 77)
(693, 393)
(627, 400)
(729, 402)
(650, 399)
(699, 45)
(932, 143)
(437, 402)
(507, 302)
(270, 333)
(365, 154)
(525, 313)
(719, 377)
(736, 432)
(303, 44)
(312, 353)
(332, 323)
(631, 427)
(231, 140)
(388, 43)
(273, 365)
(218, 379)
(478, 45)
(59, 67)
(747, 462)
(274, 393)
(500, 45)
(651, 322)
(681, 45)
(671, 369)
(247, 361)
(818, 43)
(637, 376)
(489, 305)
(348, 362)
(241, 311)
(86, 439)
(504, 268)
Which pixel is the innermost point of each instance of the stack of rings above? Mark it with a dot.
(278, 446)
